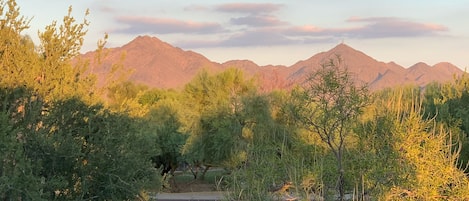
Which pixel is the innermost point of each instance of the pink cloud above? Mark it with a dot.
(249, 7)
(106, 9)
(392, 27)
(303, 30)
(378, 27)
(165, 26)
(309, 34)
(257, 21)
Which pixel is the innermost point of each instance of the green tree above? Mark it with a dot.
(16, 51)
(447, 103)
(272, 155)
(328, 106)
(57, 77)
(85, 153)
(427, 157)
(56, 145)
(125, 97)
(213, 111)
(164, 122)
(19, 111)
(46, 68)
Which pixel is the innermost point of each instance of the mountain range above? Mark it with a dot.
(160, 65)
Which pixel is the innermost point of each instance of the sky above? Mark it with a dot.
(278, 32)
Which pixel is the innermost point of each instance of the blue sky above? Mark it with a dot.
(276, 32)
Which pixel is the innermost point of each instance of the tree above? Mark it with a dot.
(125, 97)
(164, 122)
(16, 51)
(213, 116)
(46, 68)
(448, 104)
(328, 105)
(54, 143)
(271, 155)
(422, 151)
(87, 152)
(19, 111)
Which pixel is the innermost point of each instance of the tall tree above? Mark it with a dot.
(328, 105)
(214, 105)
(57, 77)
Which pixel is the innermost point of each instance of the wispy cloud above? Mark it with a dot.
(195, 7)
(252, 8)
(258, 37)
(391, 27)
(384, 27)
(283, 33)
(258, 21)
(303, 30)
(139, 25)
(259, 24)
(106, 9)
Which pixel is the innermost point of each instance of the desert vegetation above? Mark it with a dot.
(63, 136)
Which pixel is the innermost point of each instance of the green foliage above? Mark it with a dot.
(405, 155)
(18, 113)
(448, 104)
(213, 116)
(73, 151)
(164, 124)
(125, 97)
(328, 106)
(46, 69)
(275, 154)
(85, 153)
(55, 144)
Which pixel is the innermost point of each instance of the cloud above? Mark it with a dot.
(257, 21)
(252, 8)
(265, 29)
(195, 7)
(384, 27)
(259, 37)
(260, 34)
(303, 30)
(139, 25)
(390, 27)
(106, 9)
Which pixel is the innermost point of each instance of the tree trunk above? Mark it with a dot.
(202, 177)
(341, 179)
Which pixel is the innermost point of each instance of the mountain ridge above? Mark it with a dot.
(160, 65)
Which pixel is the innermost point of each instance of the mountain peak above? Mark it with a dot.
(342, 46)
(348, 53)
(420, 65)
(145, 39)
(148, 42)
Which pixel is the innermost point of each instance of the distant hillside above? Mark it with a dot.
(156, 63)
(160, 65)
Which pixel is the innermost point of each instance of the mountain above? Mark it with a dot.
(365, 68)
(161, 65)
(155, 63)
